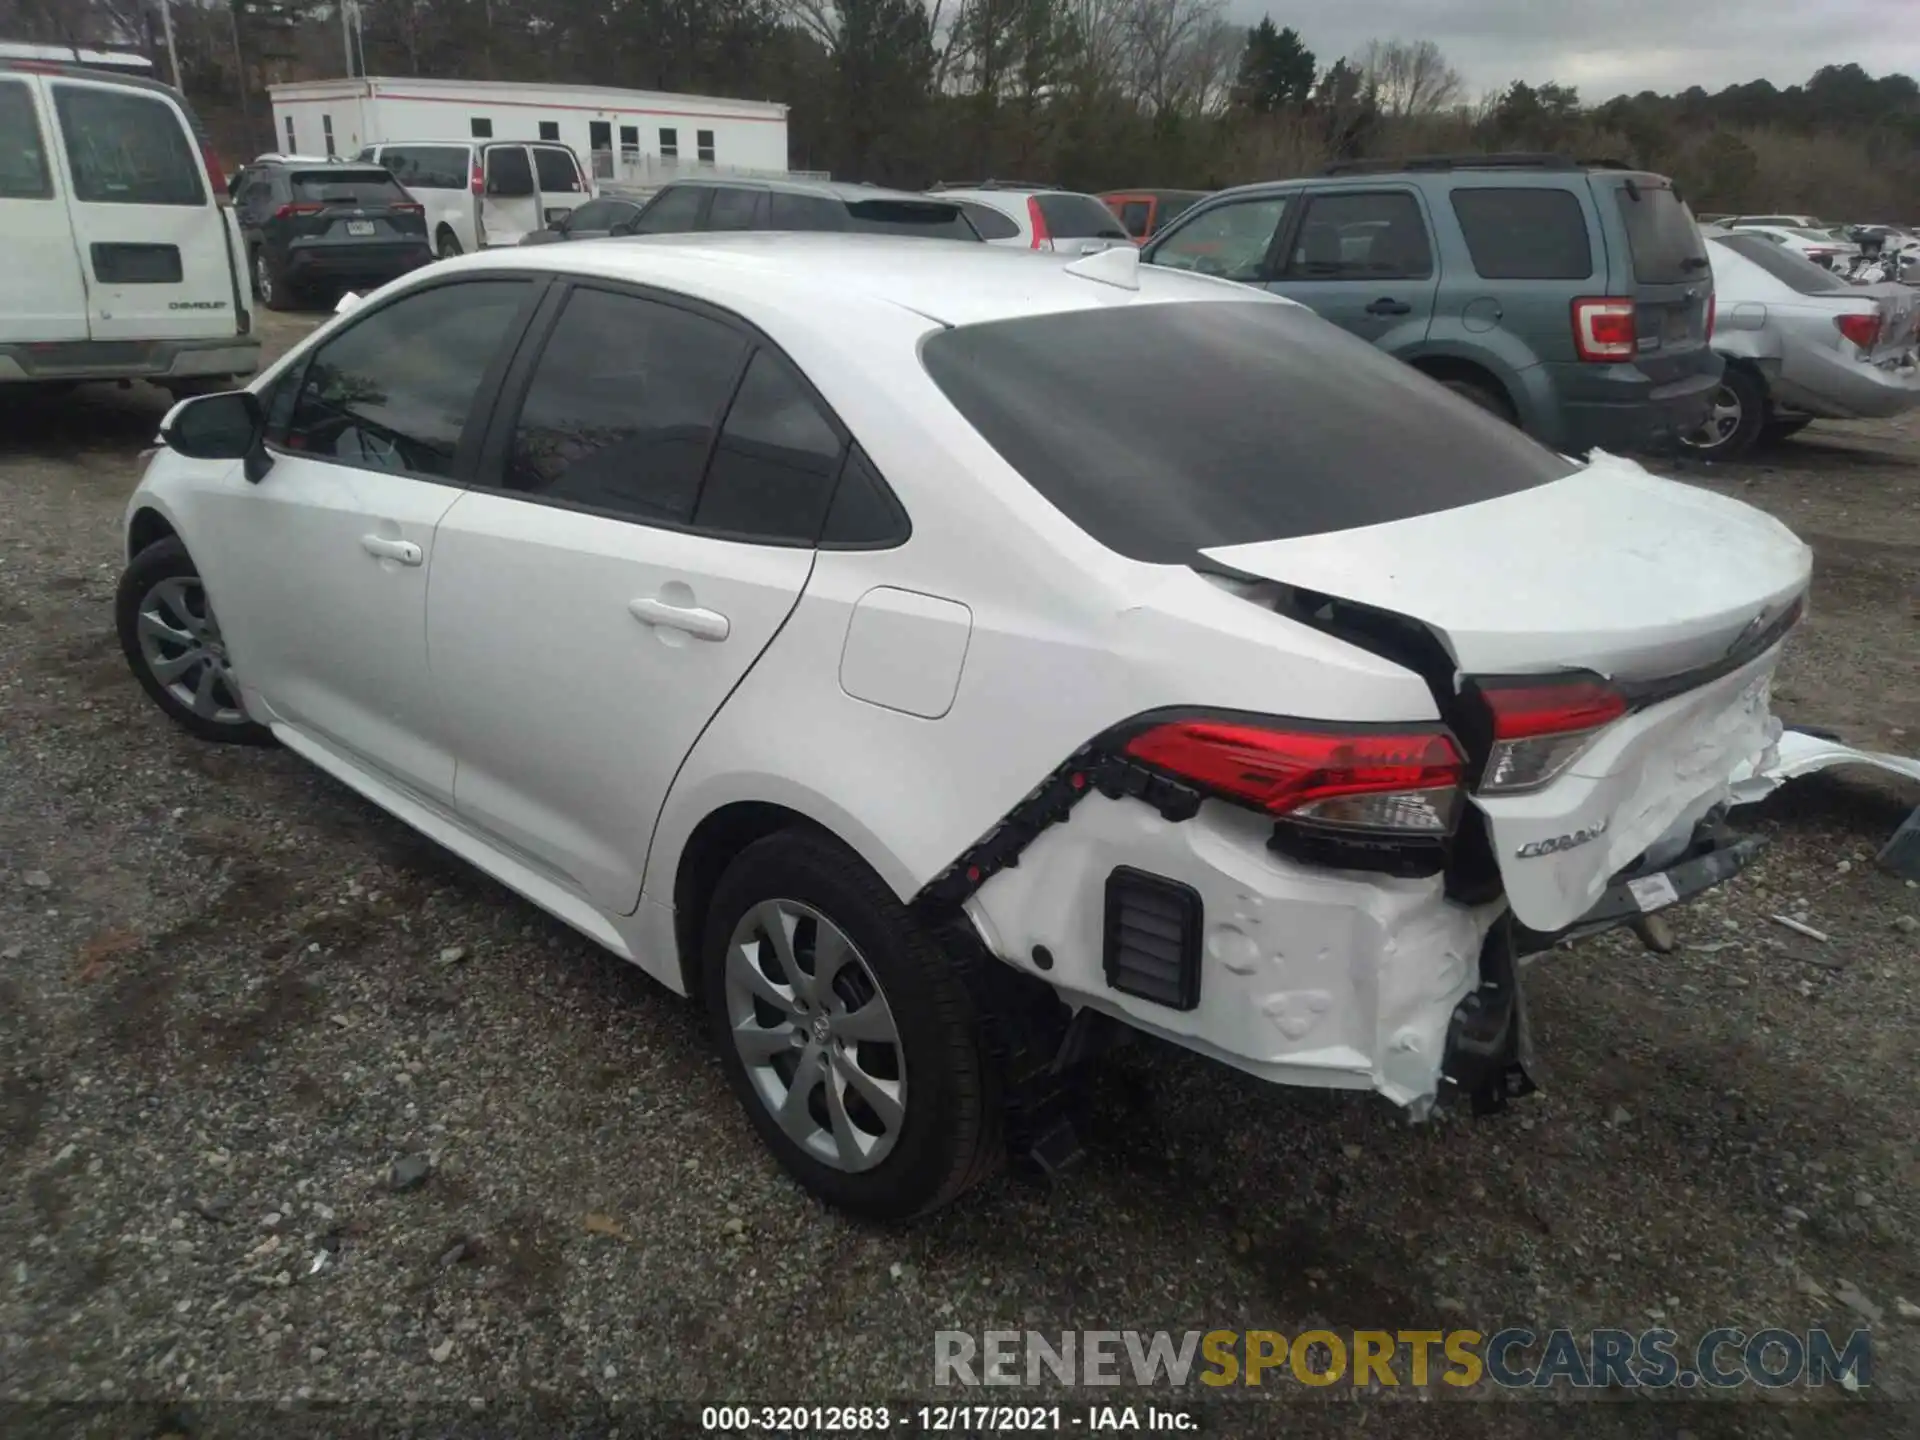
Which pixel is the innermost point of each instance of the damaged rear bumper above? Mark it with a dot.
(1489, 1055)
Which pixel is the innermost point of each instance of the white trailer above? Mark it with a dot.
(628, 137)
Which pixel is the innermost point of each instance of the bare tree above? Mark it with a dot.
(1410, 77)
(1167, 39)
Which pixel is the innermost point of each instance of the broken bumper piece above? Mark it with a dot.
(1489, 1054)
(1803, 752)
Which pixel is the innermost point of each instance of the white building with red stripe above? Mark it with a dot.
(633, 136)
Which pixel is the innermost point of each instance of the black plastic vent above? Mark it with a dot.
(1153, 938)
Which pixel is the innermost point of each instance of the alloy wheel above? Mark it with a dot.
(180, 642)
(1722, 421)
(262, 277)
(820, 1045)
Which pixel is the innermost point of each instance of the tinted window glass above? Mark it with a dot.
(623, 406)
(602, 214)
(549, 129)
(23, 154)
(773, 470)
(509, 170)
(929, 219)
(1666, 243)
(557, 171)
(674, 210)
(1362, 237)
(991, 223)
(392, 391)
(1229, 240)
(804, 212)
(1784, 265)
(481, 129)
(1136, 215)
(1079, 217)
(1255, 422)
(352, 188)
(865, 513)
(733, 209)
(127, 148)
(428, 167)
(1524, 234)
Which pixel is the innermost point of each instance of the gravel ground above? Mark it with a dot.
(295, 1107)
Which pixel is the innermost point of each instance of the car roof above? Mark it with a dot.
(953, 282)
(831, 189)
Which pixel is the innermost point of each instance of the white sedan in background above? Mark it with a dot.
(828, 626)
(1822, 247)
(1801, 344)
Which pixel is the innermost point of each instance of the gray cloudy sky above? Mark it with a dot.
(1607, 47)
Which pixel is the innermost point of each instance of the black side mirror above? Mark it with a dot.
(227, 426)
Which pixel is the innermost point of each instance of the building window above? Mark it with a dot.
(704, 138)
(326, 131)
(629, 142)
(669, 143)
(549, 129)
(292, 149)
(482, 129)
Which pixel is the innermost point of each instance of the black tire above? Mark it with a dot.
(1775, 431)
(1485, 396)
(270, 282)
(163, 561)
(1740, 409)
(446, 244)
(949, 1139)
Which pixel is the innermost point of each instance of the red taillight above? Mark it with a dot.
(1603, 329)
(1038, 218)
(304, 207)
(1862, 330)
(1713, 311)
(214, 178)
(1540, 728)
(1404, 781)
(476, 181)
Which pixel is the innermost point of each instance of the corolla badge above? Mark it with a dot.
(1554, 844)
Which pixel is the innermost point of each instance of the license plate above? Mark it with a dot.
(1679, 325)
(359, 227)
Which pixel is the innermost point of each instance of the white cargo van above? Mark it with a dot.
(120, 259)
(484, 193)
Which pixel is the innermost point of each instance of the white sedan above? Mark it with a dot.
(828, 626)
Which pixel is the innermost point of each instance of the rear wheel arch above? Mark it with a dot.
(709, 850)
(1456, 373)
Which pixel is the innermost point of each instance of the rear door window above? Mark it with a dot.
(1256, 421)
(428, 167)
(23, 153)
(787, 211)
(509, 170)
(558, 173)
(673, 211)
(623, 405)
(331, 187)
(1661, 233)
(1372, 235)
(1524, 234)
(126, 147)
(991, 224)
(1788, 267)
(734, 208)
(1078, 217)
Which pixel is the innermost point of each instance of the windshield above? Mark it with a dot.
(1788, 267)
(1254, 421)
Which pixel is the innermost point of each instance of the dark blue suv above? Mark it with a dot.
(1573, 298)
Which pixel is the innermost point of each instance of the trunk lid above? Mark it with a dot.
(1898, 307)
(1655, 585)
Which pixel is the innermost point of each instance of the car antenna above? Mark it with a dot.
(1119, 267)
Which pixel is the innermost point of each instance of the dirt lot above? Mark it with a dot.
(232, 995)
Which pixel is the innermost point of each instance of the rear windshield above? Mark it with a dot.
(930, 219)
(1662, 235)
(428, 167)
(1786, 266)
(357, 187)
(1253, 422)
(1079, 217)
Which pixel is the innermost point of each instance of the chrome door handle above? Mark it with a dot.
(405, 551)
(701, 624)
